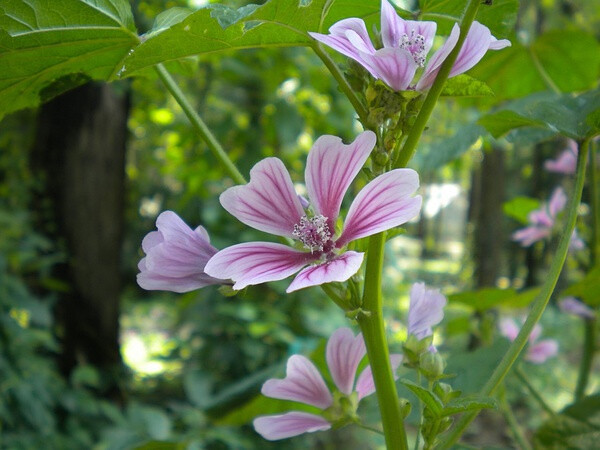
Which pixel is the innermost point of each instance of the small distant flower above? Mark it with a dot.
(406, 44)
(573, 306)
(537, 351)
(175, 256)
(542, 220)
(566, 162)
(426, 310)
(576, 242)
(303, 383)
(269, 203)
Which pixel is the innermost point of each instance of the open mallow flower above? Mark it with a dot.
(304, 383)
(426, 309)
(537, 351)
(269, 203)
(566, 161)
(175, 256)
(406, 44)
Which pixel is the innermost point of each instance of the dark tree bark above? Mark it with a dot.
(79, 152)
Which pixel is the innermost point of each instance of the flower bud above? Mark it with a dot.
(432, 365)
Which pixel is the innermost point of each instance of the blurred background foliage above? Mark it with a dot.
(193, 364)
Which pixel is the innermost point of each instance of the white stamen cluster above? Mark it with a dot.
(313, 233)
(415, 44)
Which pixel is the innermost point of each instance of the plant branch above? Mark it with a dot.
(513, 423)
(373, 330)
(539, 303)
(410, 145)
(533, 391)
(198, 123)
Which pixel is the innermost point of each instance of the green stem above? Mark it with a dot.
(533, 391)
(589, 348)
(410, 145)
(367, 427)
(539, 303)
(513, 423)
(420, 414)
(199, 124)
(343, 83)
(373, 330)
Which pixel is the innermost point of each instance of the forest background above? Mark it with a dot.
(90, 359)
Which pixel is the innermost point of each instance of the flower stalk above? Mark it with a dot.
(539, 303)
(205, 133)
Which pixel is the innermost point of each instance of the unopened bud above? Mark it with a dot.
(432, 365)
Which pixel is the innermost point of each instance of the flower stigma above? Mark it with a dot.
(314, 233)
(415, 45)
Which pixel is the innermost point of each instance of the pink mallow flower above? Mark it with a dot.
(537, 351)
(426, 309)
(542, 220)
(566, 162)
(573, 306)
(175, 256)
(269, 203)
(406, 44)
(303, 383)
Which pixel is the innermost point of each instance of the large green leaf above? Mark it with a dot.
(486, 298)
(566, 60)
(277, 23)
(49, 47)
(519, 208)
(466, 86)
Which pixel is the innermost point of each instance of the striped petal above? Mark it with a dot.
(338, 269)
(393, 27)
(382, 204)
(344, 353)
(393, 65)
(365, 385)
(302, 383)
(268, 202)
(289, 424)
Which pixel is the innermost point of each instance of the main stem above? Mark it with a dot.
(199, 124)
(373, 330)
(539, 303)
(591, 325)
(410, 145)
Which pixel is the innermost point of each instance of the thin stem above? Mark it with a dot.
(373, 330)
(199, 124)
(595, 202)
(367, 427)
(410, 145)
(589, 349)
(513, 423)
(533, 391)
(343, 83)
(420, 413)
(539, 303)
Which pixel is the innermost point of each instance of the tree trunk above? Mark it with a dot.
(79, 152)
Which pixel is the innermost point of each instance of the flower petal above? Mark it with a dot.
(382, 204)
(338, 269)
(330, 168)
(256, 262)
(541, 351)
(565, 163)
(344, 353)
(475, 46)
(365, 385)
(508, 328)
(302, 383)
(268, 202)
(529, 235)
(426, 310)
(393, 27)
(289, 424)
(393, 65)
(557, 203)
(434, 63)
(571, 305)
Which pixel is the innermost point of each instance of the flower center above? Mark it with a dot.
(415, 44)
(313, 233)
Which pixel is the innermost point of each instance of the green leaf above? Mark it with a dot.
(465, 404)
(587, 410)
(565, 59)
(167, 18)
(564, 114)
(466, 86)
(587, 289)
(64, 43)
(430, 400)
(519, 208)
(486, 298)
(162, 445)
(500, 17)
(277, 23)
(563, 431)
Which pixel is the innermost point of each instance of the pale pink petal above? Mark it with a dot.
(331, 167)
(290, 424)
(475, 46)
(393, 65)
(338, 269)
(529, 235)
(356, 27)
(540, 218)
(393, 27)
(434, 63)
(566, 162)
(382, 204)
(344, 353)
(499, 44)
(541, 351)
(508, 328)
(571, 305)
(426, 310)
(535, 333)
(557, 203)
(576, 243)
(175, 256)
(256, 262)
(302, 383)
(268, 202)
(365, 385)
